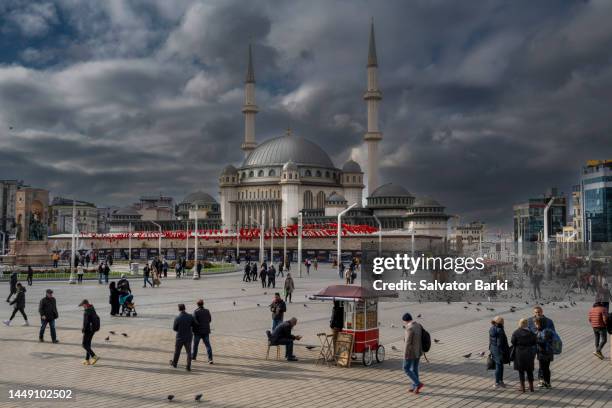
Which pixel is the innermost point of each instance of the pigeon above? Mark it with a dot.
(305, 305)
(198, 397)
(258, 305)
(478, 304)
(107, 339)
(477, 309)
(393, 348)
(234, 303)
(243, 289)
(112, 332)
(393, 326)
(265, 293)
(170, 397)
(481, 354)
(465, 307)
(419, 315)
(469, 303)
(468, 355)
(436, 341)
(310, 347)
(512, 310)
(124, 334)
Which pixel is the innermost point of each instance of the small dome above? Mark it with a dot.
(290, 166)
(279, 150)
(390, 190)
(426, 202)
(351, 166)
(229, 170)
(335, 198)
(199, 197)
(125, 211)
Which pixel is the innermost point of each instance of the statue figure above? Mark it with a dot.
(37, 230)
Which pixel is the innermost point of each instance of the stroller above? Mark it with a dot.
(126, 299)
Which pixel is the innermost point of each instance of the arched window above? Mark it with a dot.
(251, 174)
(318, 173)
(243, 175)
(272, 173)
(354, 179)
(260, 173)
(320, 199)
(327, 174)
(285, 176)
(308, 173)
(307, 200)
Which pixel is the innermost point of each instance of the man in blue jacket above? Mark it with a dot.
(538, 312)
(184, 326)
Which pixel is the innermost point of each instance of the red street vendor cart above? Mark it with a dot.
(360, 318)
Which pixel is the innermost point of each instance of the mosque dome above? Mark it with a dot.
(199, 197)
(351, 166)
(426, 202)
(280, 150)
(390, 190)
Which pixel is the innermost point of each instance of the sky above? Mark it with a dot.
(485, 103)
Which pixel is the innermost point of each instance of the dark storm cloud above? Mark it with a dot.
(485, 103)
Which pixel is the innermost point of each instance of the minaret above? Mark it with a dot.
(372, 97)
(249, 109)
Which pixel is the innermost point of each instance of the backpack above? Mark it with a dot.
(95, 322)
(557, 344)
(425, 340)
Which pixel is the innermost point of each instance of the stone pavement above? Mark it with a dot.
(133, 371)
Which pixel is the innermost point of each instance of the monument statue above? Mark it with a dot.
(37, 230)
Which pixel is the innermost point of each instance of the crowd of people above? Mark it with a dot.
(267, 276)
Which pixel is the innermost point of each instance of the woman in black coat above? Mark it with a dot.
(113, 299)
(524, 342)
(498, 346)
(545, 352)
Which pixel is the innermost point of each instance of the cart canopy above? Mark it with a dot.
(350, 292)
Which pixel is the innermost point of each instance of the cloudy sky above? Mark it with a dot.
(485, 102)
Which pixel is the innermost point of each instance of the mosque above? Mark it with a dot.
(289, 174)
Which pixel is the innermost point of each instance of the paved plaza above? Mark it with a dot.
(133, 371)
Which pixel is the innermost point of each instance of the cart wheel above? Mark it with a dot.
(380, 354)
(367, 357)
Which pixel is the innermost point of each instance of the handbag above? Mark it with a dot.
(512, 353)
(490, 362)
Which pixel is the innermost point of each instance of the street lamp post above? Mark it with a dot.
(72, 279)
(187, 240)
(546, 254)
(379, 234)
(238, 243)
(261, 236)
(271, 241)
(339, 256)
(3, 242)
(195, 248)
(130, 246)
(300, 243)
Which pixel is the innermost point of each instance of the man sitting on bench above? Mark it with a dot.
(281, 336)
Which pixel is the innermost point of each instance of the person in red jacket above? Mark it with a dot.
(598, 317)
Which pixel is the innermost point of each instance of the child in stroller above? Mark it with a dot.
(126, 299)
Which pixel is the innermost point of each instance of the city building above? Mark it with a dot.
(156, 208)
(469, 233)
(206, 207)
(8, 191)
(529, 217)
(596, 187)
(104, 216)
(289, 174)
(426, 217)
(577, 226)
(60, 216)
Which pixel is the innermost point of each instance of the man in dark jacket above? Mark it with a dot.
(146, 272)
(247, 273)
(91, 324)
(203, 319)
(18, 305)
(278, 308)
(184, 326)
(47, 308)
(199, 268)
(547, 324)
(13, 286)
(282, 336)
(271, 276)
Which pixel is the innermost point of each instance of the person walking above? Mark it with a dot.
(203, 319)
(106, 271)
(30, 275)
(412, 351)
(263, 274)
(146, 272)
(544, 351)
(184, 326)
(47, 308)
(247, 273)
(18, 305)
(177, 269)
(254, 272)
(80, 273)
(341, 270)
(598, 317)
(12, 286)
(289, 287)
(315, 263)
(524, 342)
(87, 260)
(272, 276)
(280, 269)
(100, 272)
(278, 308)
(307, 263)
(538, 312)
(165, 268)
(113, 299)
(91, 324)
(500, 351)
(199, 268)
(281, 336)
